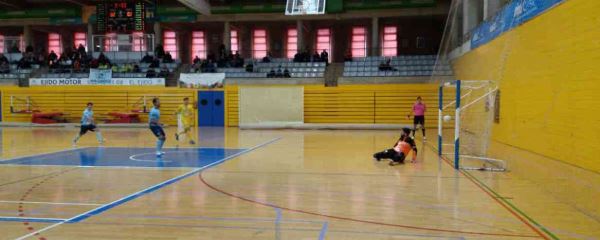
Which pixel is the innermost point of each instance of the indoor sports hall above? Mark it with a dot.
(299, 119)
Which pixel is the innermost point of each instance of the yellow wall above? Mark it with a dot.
(72, 101)
(368, 104)
(549, 80)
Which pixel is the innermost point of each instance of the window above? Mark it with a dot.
(259, 43)
(138, 42)
(1, 44)
(389, 46)
(80, 38)
(359, 42)
(235, 41)
(54, 43)
(324, 40)
(110, 42)
(292, 42)
(170, 43)
(198, 45)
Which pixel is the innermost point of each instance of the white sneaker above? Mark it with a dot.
(158, 154)
(424, 138)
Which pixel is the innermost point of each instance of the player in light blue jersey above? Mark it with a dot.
(88, 124)
(156, 126)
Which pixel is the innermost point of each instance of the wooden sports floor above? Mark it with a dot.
(279, 184)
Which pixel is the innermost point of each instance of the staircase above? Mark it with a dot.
(173, 79)
(332, 73)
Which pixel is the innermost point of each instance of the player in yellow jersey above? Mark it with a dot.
(185, 116)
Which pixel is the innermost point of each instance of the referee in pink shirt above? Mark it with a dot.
(419, 109)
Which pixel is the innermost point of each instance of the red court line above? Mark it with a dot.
(447, 161)
(357, 220)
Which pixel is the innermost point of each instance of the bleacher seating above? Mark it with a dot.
(16, 73)
(127, 57)
(296, 69)
(119, 59)
(405, 66)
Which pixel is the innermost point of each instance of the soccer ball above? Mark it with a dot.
(447, 118)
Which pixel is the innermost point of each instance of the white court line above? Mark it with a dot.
(134, 156)
(54, 203)
(172, 180)
(37, 218)
(101, 167)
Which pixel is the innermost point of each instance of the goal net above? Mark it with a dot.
(472, 107)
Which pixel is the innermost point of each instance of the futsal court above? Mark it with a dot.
(276, 184)
(277, 113)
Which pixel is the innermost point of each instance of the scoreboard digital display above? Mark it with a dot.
(120, 16)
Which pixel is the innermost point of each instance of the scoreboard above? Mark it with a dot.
(120, 16)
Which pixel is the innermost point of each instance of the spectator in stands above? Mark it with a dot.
(136, 69)
(250, 67)
(94, 63)
(64, 62)
(155, 63)
(271, 74)
(147, 58)
(4, 67)
(298, 57)
(267, 58)
(211, 66)
(348, 56)
(76, 66)
(222, 51)
(25, 62)
(316, 57)
(164, 72)
(29, 49)
(159, 51)
(168, 58)
(286, 73)
(238, 61)
(150, 73)
(196, 60)
(386, 66)
(324, 56)
(279, 72)
(14, 49)
(52, 57)
(3, 59)
(81, 50)
(102, 59)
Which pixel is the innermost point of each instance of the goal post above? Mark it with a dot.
(472, 104)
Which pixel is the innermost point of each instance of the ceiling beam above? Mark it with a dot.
(76, 2)
(13, 5)
(200, 6)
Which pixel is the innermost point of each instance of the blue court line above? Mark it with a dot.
(188, 226)
(278, 218)
(31, 219)
(323, 231)
(278, 223)
(138, 194)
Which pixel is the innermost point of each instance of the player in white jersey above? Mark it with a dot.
(88, 124)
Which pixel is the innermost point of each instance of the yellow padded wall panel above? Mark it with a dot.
(549, 80)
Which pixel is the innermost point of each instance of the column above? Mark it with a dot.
(472, 14)
(227, 35)
(374, 49)
(27, 36)
(157, 34)
(300, 29)
(490, 7)
(89, 37)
